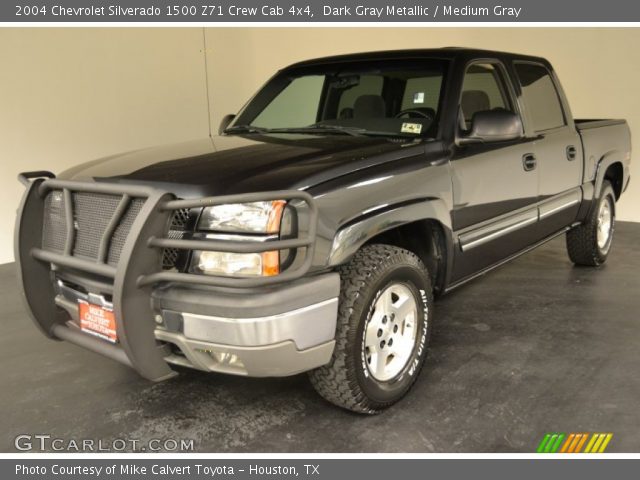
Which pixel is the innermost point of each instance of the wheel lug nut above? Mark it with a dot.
(393, 317)
(379, 333)
(382, 344)
(395, 328)
(390, 342)
(384, 320)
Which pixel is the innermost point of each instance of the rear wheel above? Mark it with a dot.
(384, 323)
(589, 244)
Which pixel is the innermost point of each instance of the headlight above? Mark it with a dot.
(255, 217)
(237, 264)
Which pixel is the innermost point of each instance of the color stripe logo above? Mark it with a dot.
(574, 443)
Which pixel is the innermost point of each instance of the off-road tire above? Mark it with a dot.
(345, 380)
(582, 241)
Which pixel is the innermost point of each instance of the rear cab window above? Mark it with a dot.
(422, 92)
(368, 85)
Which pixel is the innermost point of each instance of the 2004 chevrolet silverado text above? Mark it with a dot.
(313, 233)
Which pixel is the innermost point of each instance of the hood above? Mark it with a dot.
(248, 163)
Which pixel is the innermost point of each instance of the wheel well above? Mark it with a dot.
(615, 175)
(432, 252)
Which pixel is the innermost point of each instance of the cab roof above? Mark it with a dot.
(446, 53)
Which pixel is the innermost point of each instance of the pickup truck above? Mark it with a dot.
(313, 233)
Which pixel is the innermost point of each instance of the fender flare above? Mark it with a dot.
(352, 236)
(608, 159)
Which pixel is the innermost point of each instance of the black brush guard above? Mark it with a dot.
(139, 267)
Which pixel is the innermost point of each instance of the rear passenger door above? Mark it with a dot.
(557, 147)
(495, 187)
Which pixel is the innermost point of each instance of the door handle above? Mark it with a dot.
(571, 153)
(529, 162)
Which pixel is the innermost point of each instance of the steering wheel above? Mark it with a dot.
(415, 112)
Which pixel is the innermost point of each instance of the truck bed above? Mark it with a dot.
(602, 137)
(587, 123)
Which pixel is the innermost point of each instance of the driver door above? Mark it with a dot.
(495, 184)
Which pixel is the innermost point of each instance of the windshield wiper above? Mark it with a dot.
(317, 128)
(246, 129)
(326, 127)
(361, 131)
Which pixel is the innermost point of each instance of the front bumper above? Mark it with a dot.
(279, 360)
(266, 332)
(250, 326)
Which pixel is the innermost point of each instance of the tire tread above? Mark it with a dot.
(337, 381)
(582, 241)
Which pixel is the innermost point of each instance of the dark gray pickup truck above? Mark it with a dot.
(313, 233)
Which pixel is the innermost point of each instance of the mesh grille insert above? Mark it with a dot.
(54, 230)
(122, 230)
(92, 213)
(171, 257)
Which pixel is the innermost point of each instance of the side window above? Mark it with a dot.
(369, 85)
(482, 89)
(540, 96)
(297, 104)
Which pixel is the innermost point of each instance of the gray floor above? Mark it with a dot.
(536, 346)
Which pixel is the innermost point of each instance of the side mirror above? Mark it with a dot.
(497, 125)
(226, 121)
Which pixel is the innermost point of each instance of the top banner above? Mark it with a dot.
(313, 11)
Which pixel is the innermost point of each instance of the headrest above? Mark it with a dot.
(369, 106)
(474, 101)
(346, 113)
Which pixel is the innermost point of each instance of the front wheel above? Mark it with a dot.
(384, 324)
(590, 243)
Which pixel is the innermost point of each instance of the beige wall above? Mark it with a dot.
(68, 95)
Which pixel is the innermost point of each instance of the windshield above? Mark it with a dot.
(400, 98)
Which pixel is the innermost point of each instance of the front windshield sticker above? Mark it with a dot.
(411, 128)
(418, 97)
